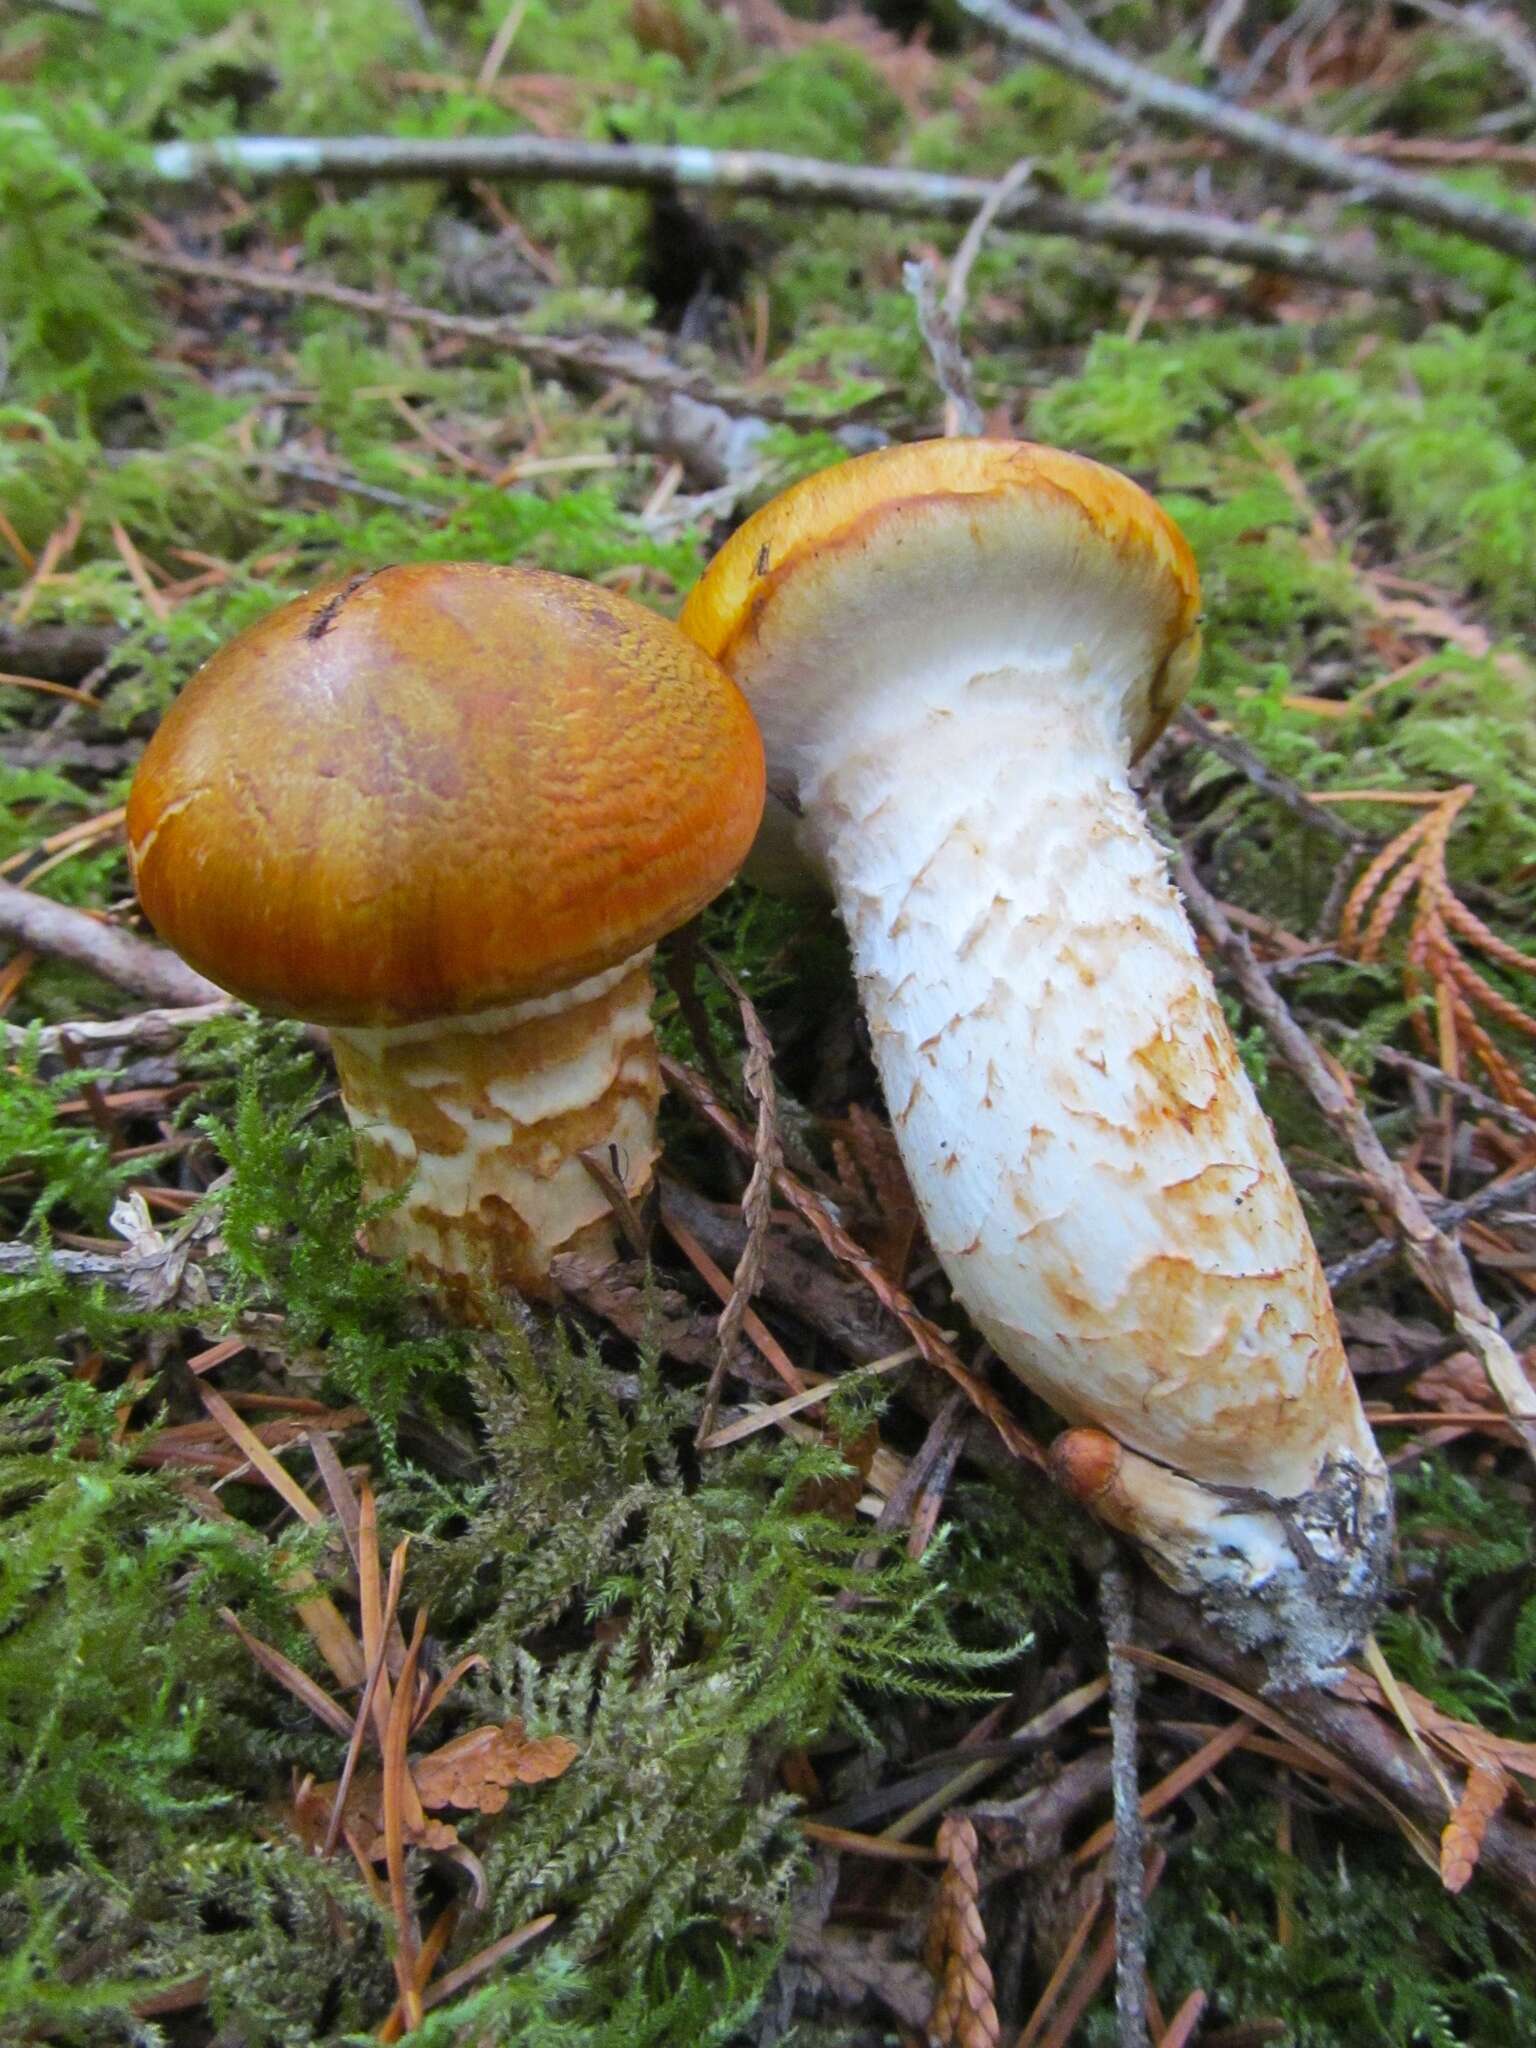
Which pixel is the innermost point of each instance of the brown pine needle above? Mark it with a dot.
(1066, 1962)
(1184, 2021)
(299, 1683)
(854, 1844)
(1175, 1785)
(482, 1964)
(1386, 1678)
(49, 689)
(438, 1937)
(365, 1704)
(396, 1799)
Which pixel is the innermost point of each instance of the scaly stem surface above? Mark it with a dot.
(1093, 1166)
(482, 1121)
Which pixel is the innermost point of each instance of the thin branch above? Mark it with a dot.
(1499, 31)
(964, 261)
(1439, 1262)
(951, 371)
(153, 972)
(1368, 181)
(796, 181)
(1497, 1195)
(1464, 1091)
(629, 362)
(1357, 1735)
(1239, 755)
(1118, 1614)
(145, 1031)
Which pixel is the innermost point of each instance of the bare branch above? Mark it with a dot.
(1118, 1613)
(1011, 182)
(117, 956)
(1498, 30)
(1498, 1195)
(951, 371)
(629, 362)
(1369, 181)
(798, 181)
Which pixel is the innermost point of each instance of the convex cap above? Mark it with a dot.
(435, 789)
(943, 552)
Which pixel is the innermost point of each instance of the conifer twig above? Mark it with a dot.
(1238, 754)
(1369, 181)
(1487, 1201)
(897, 192)
(1439, 1262)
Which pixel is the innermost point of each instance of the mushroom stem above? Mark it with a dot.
(478, 1123)
(1093, 1167)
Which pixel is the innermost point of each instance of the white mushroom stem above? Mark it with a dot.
(482, 1122)
(1093, 1167)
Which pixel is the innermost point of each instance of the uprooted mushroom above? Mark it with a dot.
(956, 651)
(448, 810)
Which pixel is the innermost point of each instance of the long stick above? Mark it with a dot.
(766, 174)
(117, 956)
(1371, 182)
(1117, 1612)
(629, 362)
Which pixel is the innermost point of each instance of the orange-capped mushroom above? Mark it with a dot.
(448, 810)
(955, 651)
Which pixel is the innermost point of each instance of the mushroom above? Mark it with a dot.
(955, 651)
(448, 810)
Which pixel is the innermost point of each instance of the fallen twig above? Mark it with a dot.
(1500, 32)
(1239, 755)
(958, 283)
(952, 373)
(145, 1030)
(1368, 181)
(1464, 1091)
(1118, 1615)
(629, 362)
(1438, 1260)
(145, 970)
(801, 181)
(1497, 1195)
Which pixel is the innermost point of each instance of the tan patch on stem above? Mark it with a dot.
(482, 1121)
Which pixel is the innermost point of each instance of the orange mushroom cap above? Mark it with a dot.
(953, 542)
(439, 788)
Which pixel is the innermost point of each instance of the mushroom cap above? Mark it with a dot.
(949, 559)
(440, 788)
